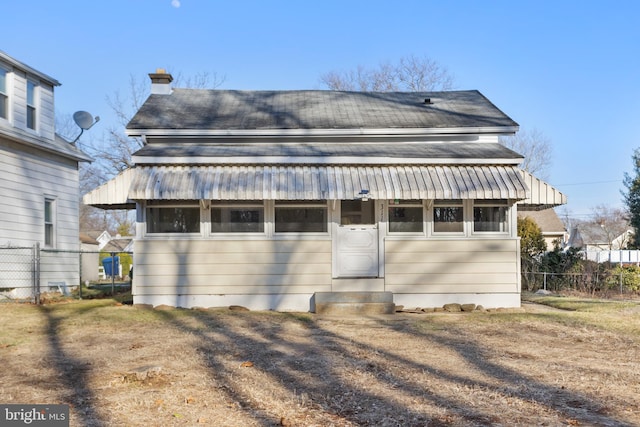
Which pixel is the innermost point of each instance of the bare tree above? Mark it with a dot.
(115, 150)
(411, 73)
(112, 152)
(614, 223)
(536, 149)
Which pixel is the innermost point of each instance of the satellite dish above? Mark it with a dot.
(83, 119)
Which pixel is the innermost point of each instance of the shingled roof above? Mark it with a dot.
(198, 109)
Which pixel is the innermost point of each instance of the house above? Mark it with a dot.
(592, 237)
(39, 189)
(553, 229)
(273, 199)
(89, 259)
(102, 237)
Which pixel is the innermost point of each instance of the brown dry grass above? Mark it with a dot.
(224, 368)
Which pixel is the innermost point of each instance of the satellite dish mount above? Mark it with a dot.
(85, 121)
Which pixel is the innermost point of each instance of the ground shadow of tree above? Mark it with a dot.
(72, 372)
(334, 395)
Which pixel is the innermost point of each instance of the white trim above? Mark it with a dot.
(499, 130)
(320, 160)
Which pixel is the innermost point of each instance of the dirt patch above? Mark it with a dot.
(122, 366)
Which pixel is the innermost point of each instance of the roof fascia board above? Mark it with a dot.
(27, 69)
(39, 145)
(318, 160)
(498, 130)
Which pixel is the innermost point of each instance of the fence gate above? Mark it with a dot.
(19, 273)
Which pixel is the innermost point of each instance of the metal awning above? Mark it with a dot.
(541, 194)
(308, 183)
(326, 182)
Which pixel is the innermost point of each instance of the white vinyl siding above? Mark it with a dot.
(452, 266)
(25, 180)
(237, 267)
(30, 109)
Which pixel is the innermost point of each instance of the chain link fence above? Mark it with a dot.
(18, 273)
(26, 273)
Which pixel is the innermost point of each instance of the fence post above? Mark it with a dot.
(36, 273)
(113, 273)
(544, 280)
(80, 274)
(621, 281)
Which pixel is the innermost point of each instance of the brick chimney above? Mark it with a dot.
(161, 82)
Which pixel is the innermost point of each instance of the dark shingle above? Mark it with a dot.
(316, 109)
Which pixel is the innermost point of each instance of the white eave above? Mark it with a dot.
(497, 130)
(316, 160)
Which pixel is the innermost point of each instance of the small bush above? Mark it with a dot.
(629, 275)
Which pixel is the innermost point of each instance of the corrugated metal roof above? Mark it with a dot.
(542, 195)
(326, 182)
(229, 110)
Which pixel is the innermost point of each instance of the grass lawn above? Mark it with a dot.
(562, 361)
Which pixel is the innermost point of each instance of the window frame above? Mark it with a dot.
(32, 105)
(393, 204)
(172, 205)
(447, 203)
(4, 93)
(306, 204)
(491, 203)
(49, 224)
(230, 204)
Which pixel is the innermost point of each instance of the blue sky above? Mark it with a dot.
(570, 69)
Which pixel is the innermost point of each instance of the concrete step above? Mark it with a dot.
(362, 303)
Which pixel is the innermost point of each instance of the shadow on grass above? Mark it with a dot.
(73, 372)
(344, 368)
(336, 395)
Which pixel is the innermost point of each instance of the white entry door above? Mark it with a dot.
(357, 240)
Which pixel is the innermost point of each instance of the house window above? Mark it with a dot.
(490, 216)
(237, 217)
(300, 217)
(4, 95)
(31, 105)
(406, 216)
(49, 223)
(448, 216)
(173, 219)
(357, 212)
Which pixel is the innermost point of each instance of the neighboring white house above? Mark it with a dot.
(592, 237)
(39, 189)
(268, 199)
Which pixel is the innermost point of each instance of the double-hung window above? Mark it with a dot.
(490, 216)
(4, 95)
(448, 216)
(49, 223)
(406, 216)
(173, 218)
(237, 217)
(31, 105)
(300, 217)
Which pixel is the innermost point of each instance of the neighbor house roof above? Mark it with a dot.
(547, 220)
(229, 110)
